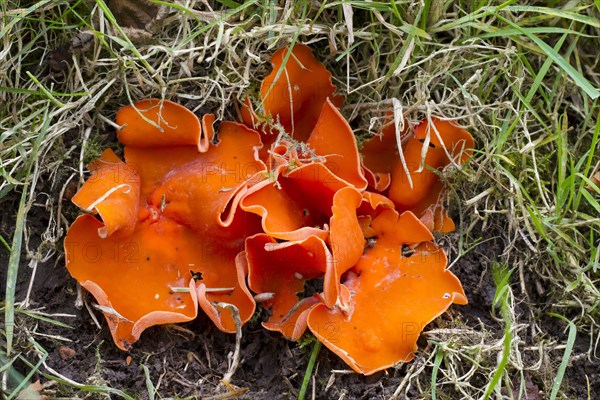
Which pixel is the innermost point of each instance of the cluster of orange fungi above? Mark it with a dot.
(253, 212)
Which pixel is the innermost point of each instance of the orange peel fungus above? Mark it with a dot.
(169, 229)
(282, 209)
(413, 181)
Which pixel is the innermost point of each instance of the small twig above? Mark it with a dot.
(229, 395)
(238, 342)
(111, 311)
(261, 297)
(79, 299)
(91, 312)
(33, 265)
(86, 136)
(175, 289)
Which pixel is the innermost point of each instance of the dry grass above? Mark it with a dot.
(525, 201)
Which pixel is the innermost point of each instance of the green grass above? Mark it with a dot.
(15, 250)
(502, 301)
(520, 75)
(566, 357)
(309, 370)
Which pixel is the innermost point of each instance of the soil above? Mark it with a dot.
(190, 359)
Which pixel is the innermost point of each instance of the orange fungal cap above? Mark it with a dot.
(281, 269)
(423, 189)
(132, 276)
(390, 297)
(205, 192)
(332, 138)
(224, 283)
(296, 205)
(380, 154)
(159, 123)
(113, 191)
(294, 324)
(294, 93)
(346, 240)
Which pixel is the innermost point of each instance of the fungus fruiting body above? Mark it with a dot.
(413, 181)
(296, 89)
(265, 209)
(168, 213)
(387, 298)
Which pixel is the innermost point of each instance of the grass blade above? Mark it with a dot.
(5, 243)
(565, 361)
(501, 300)
(44, 319)
(15, 254)
(13, 271)
(309, 368)
(439, 356)
(577, 77)
(47, 92)
(540, 29)
(574, 15)
(590, 158)
(149, 385)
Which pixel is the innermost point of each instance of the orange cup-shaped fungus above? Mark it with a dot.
(380, 155)
(171, 228)
(197, 218)
(293, 94)
(388, 297)
(113, 191)
(135, 278)
(421, 191)
(295, 91)
(160, 123)
(346, 240)
(280, 270)
(298, 94)
(333, 140)
(350, 233)
(120, 246)
(296, 204)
